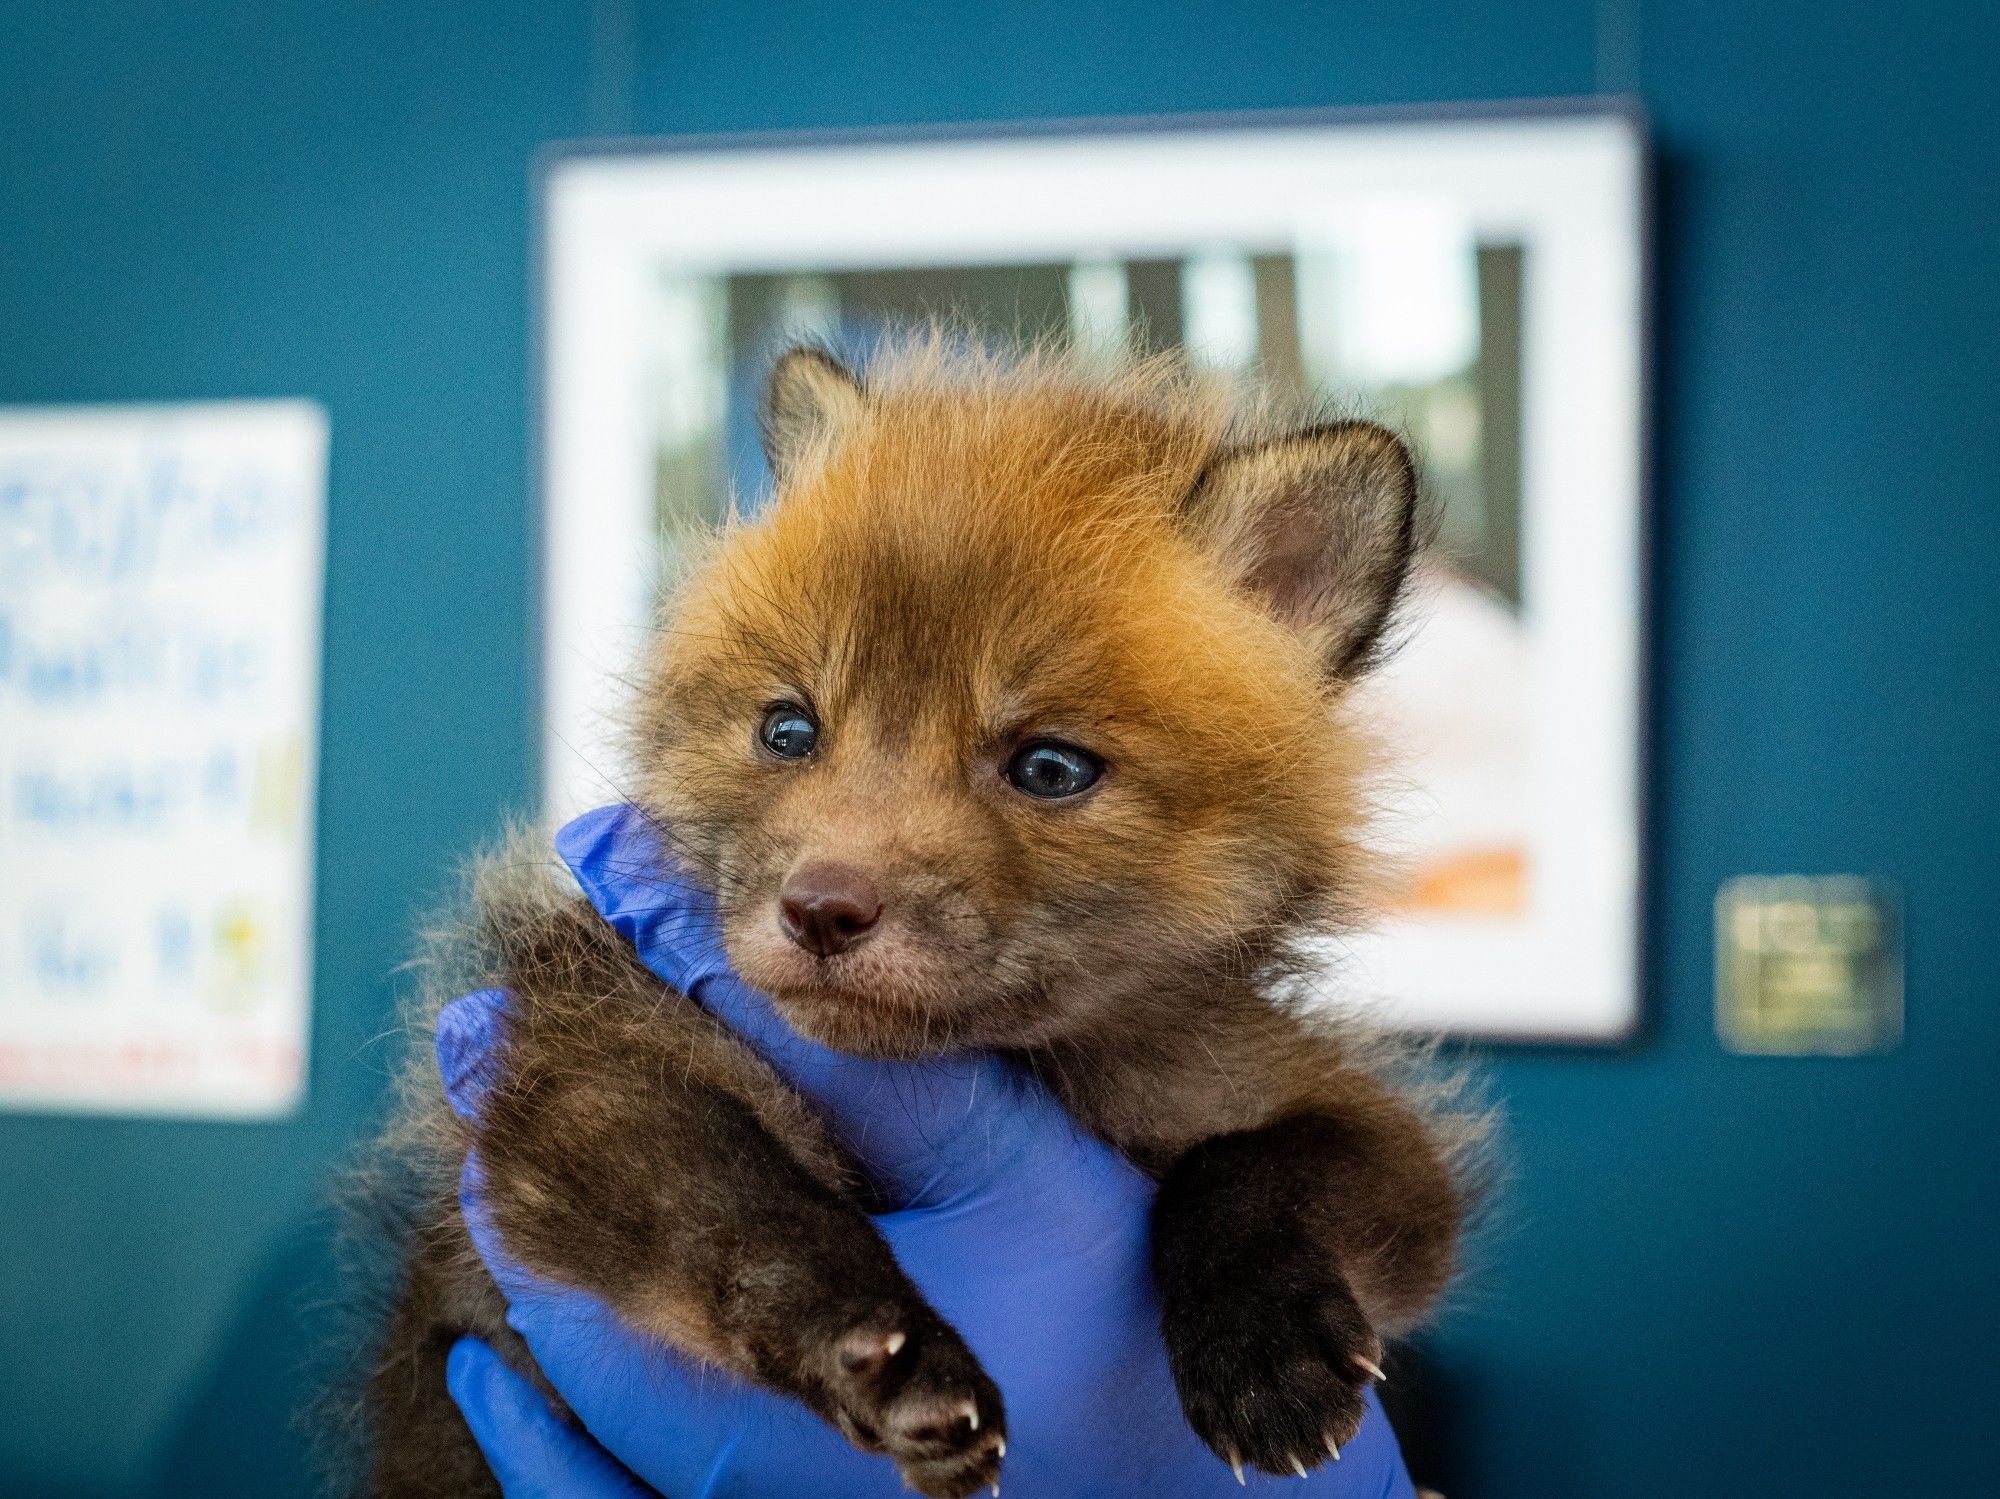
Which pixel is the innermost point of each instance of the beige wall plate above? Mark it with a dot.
(1808, 965)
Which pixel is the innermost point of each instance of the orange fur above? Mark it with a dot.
(991, 550)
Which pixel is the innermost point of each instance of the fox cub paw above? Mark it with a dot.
(1271, 1364)
(908, 1386)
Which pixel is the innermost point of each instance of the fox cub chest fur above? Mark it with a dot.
(1017, 722)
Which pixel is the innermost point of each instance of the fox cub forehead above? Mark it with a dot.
(1048, 473)
(996, 529)
(1124, 535)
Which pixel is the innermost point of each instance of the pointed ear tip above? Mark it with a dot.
(807, 357)
(1379, 457)
(809, 395)
(1366, 437)
(1355, 455)
(802, 349)
(1344, 440)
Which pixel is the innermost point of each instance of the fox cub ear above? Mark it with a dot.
(811, 399)
(1321, 526)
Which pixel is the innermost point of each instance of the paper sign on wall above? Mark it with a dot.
(160, 591)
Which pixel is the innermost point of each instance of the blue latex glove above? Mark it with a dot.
(1028, 1236)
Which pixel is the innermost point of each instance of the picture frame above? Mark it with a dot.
(1389, 244)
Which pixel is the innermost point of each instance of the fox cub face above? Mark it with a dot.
(1021, 702)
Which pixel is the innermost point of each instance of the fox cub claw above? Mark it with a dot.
(909, 1387)
(1271, 1367)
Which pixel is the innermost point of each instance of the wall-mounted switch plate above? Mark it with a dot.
(1808, 965)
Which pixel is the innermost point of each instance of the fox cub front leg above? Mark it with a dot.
(675, 1201)
(1283, 1254)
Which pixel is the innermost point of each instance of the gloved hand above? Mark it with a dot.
(1028, 1236)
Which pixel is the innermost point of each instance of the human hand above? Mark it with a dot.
(1031, 1238)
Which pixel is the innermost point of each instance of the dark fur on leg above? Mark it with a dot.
(631, 1147)
(1280, 1254)
(1314, 1182)
(424, 1449)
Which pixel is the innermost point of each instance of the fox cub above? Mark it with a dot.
(1019, 721)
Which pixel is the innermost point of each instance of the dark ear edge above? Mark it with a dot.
(1324, 524)
(809, 397)
(1369, 646)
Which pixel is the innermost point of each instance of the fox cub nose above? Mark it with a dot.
(828, 908)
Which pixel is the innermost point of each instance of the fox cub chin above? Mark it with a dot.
(1017, 722)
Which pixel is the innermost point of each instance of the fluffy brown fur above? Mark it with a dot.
(971, 555)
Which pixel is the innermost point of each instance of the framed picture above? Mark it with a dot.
(1475, 280)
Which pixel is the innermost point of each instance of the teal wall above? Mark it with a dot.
(1717, 1275)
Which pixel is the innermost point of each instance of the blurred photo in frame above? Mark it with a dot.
(1475, 281)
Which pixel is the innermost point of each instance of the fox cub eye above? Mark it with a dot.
(1050, 770)
(788, 732)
